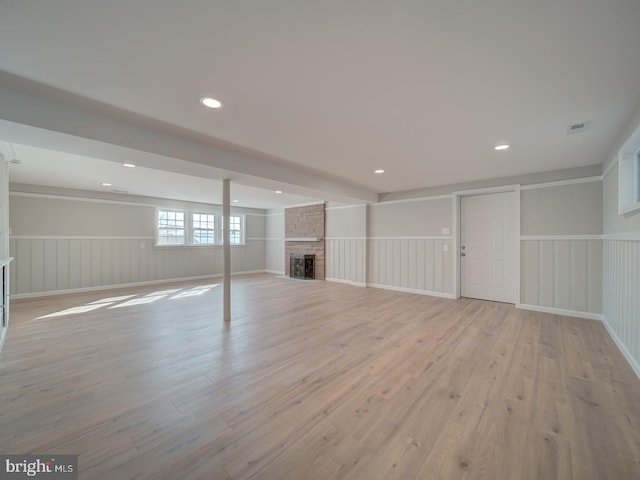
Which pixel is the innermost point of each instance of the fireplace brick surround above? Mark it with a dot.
(302, 223)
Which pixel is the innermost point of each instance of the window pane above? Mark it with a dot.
(234, 230)
(170, 229)
(204, 232)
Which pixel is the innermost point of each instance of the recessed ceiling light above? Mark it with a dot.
(278, 191)
(106, 184)
(128, 165)
(503, 146)
(378, 172)
(210, 102)
(236, 201)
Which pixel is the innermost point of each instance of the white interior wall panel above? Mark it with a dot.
(274, 242)
(562, 273)
(58, 264)
(622, 296)
(274, 255)
(346, 244)
(63, 243)
(418, 264)
(345, 260)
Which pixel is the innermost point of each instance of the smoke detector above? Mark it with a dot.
(578, 127)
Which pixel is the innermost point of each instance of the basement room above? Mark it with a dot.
(320, 240)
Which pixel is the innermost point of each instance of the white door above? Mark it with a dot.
(487, 247)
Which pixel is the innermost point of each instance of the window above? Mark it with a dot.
(236, 230)
(629, 174)
(203, 229)
(185, 228)
(170, 227)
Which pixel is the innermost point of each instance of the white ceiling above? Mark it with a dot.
(422, 89)
(40, 166)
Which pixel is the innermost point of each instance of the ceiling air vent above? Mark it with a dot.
(578, 128)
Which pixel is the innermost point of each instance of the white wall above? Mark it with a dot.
(621, 266)
(566, 209)
(406, 246)
(63, 244)
(422, 218)
(274, 241)
(561, 248)
(393, 245)
(346, 244)
(563, 274)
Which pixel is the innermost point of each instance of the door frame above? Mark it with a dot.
(456, 222)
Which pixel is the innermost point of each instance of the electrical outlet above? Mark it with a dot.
(445, 230)
(141, 245)
(445, 247)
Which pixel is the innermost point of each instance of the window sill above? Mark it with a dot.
(632, 208)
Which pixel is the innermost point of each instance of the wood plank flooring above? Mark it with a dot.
(314, 380)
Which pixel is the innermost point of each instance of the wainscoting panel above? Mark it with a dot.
(565, 274)
(274, 255)
(57, 264)
(345, 260)
(412, 264)
(621, 290)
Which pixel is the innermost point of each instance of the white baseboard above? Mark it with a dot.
(561, 311)
(275, 272)
(247, 272)
(51, 293)
(347, 282)
(413, 290)
(622, 347)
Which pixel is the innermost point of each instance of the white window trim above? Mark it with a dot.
(216, 216)
(628, 171)
(242, 229)
(157, 210)
(189, 228)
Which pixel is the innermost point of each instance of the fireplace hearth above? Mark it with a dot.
(302, 266)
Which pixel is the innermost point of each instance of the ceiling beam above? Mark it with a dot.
(96, 127)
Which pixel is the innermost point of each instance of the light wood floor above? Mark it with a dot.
(314, 380)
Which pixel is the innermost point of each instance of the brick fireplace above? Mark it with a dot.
(304, 235)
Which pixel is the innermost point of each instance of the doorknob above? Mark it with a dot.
(463, 247)
(463, 254)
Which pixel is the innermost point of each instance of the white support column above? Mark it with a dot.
(226, 211)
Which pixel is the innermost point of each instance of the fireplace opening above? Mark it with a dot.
(302, 266)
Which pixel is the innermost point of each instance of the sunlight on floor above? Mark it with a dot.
(139, 301)
(75, 310)
(193, 292)
(163, 292)
(132, 300)
(111, 299)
